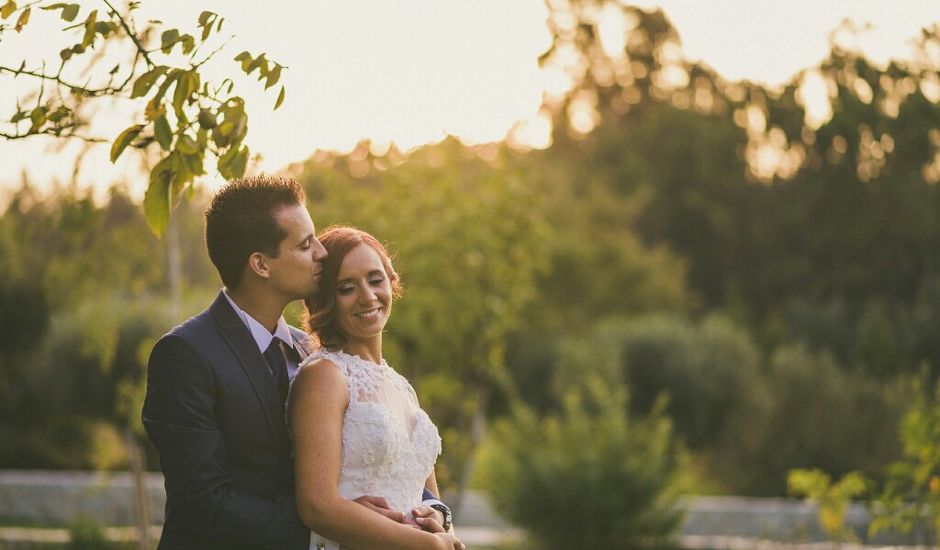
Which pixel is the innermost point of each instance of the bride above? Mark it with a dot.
(357, 426)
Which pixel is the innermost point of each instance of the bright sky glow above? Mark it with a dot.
(413, 71)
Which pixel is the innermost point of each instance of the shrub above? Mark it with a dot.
(87, 534)
(589, 477)
(823, 417)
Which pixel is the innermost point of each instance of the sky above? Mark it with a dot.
(413, 71)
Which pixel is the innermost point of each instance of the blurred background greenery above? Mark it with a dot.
(645, 289)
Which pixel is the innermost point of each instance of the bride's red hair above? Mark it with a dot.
(339, 240)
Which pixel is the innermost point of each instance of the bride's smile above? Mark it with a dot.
(363, 295)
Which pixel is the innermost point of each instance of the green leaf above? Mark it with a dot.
(205, 18)
(104, 28)
(20, 115)
(163, 132)
(38, 117)
(259, 61)
(143, 84)
(226, 128)
(154, 109)
(225, 163)
(7, 9)
(70, 12)
(23, 19)
(60, 113)
(245, 59)
(168, 39)
(240, 162)
(206, 119)
(273, 76)
(280, 99)
(187, 145)
(157, 197)
(189, 43)
(90, 21)
(194, 165)
(155, 102)
(124, 139)
(65, 54)
(182, 91)
(181, 178)
(194, 81)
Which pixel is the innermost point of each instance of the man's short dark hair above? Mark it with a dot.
(241, 221)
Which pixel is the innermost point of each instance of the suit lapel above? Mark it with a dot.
(243, 346)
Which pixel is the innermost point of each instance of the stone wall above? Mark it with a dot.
(58, 498)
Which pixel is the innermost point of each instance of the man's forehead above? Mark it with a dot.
(294, 216)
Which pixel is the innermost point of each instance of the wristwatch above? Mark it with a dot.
(448, 519)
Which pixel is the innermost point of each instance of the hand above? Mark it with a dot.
(429, 519)
(450, 541)
(380, 505)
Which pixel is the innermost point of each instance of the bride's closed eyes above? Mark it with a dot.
(347, 287)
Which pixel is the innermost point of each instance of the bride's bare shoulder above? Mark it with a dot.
(319, 367)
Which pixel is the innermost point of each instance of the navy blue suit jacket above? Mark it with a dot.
(213, 413)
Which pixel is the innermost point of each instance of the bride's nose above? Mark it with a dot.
(367, 295)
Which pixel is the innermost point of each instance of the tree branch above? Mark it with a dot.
(69, 85)
(131, 35)
(211, 55)
(86, 139)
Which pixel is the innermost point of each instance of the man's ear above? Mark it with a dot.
(258, 263)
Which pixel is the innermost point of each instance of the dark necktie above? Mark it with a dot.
(275, 358)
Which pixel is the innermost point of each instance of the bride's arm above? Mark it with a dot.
(319, 398)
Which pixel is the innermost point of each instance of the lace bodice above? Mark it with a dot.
(390, 444)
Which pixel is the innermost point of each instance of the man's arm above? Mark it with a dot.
(179, 415)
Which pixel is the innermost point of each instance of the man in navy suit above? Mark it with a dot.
(217, 384)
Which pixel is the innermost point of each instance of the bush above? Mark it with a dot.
(822, 417)
(710, 371)
(87, 534)
(590, 477)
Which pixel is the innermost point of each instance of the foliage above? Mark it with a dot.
(590, 476)
(833, 498)
(825, 418)
(86, 534)
(86, 304)
(183, 116)
(911, 492)
(780, 306)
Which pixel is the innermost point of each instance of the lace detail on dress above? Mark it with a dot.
(390, 444)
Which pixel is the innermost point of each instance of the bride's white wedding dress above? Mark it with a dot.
(390, 444)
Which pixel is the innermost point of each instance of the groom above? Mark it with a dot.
(217, 384)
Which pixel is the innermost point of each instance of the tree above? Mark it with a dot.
(179, 116)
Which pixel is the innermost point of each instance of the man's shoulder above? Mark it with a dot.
(195, 326)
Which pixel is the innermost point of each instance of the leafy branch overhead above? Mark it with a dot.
(182, 116)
